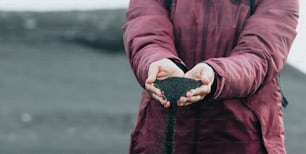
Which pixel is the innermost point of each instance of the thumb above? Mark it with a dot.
(205, 79)
(152, 73)
(206, 76)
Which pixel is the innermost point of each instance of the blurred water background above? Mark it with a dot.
(66, 86)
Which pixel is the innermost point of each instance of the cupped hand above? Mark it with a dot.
(206, 74)
(161, 69)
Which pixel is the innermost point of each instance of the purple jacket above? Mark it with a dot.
(247, 52)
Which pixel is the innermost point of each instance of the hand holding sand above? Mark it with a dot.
(161, 69)
(206, 75)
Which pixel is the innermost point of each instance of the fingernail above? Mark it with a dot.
(166, 105)
(192, 92)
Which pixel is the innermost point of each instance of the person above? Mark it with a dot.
(237, 57)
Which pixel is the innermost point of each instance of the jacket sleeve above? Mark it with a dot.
(261, 51)
(148, 36)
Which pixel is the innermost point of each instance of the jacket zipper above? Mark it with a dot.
(203, 49)
(205, 29)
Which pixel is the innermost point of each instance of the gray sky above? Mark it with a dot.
(43, 5)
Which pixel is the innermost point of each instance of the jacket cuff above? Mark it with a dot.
(213, 89)
(218, 84)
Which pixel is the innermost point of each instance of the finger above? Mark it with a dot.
(167, 105)
(152, 73)
(186, 104)
(193, 99)
(205, 79)
(182, 101)
(207, 75)
(152, 89)
(162, 75)
(203, 90)
(160, 99)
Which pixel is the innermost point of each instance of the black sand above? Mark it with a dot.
(175, 87)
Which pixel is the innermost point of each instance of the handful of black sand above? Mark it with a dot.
(175, 87)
